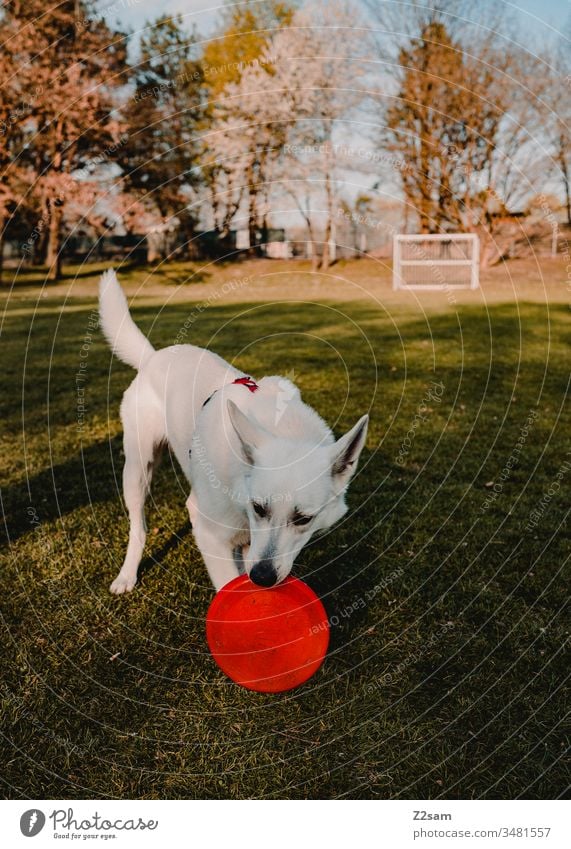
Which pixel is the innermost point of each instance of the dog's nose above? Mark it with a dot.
(264, 574)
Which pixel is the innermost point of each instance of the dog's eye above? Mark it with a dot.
(300, 520)
(260, 509)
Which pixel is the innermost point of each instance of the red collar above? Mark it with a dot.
(248, 382)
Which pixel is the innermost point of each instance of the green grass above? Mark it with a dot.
(447, 662)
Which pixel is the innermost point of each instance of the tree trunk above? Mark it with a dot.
(424, 222)
(311, 249)
(54, 239)
(252, 219)
(312, 244)
(3, 224)
(566, 182)
(405, 217)
(252, 190)
(489, 252)
(424, 189)
(40, 248)
(40, 251)
(265, 232)
(326, 256)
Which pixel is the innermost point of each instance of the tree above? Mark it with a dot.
(244, 35)
(245, 140)
(70, 62)
(442, 126)
(161, 156)
(464, 118)
(239, 129)
(317, 91)
(279, 122)
(16, 103)
(556, 109)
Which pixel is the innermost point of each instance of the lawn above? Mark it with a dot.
(445, 583)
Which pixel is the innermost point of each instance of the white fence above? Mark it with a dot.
(443, 261)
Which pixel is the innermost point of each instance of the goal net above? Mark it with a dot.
(443, 261)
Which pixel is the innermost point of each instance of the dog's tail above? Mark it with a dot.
(126, 340)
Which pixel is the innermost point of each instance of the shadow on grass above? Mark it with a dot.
(37, 275)
(88, 477)
(179, 277)
(178, 537)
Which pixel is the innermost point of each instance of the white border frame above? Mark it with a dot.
(399, 263)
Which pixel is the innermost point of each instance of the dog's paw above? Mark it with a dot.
(122, 584)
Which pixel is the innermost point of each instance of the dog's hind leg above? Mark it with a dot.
(143, 438)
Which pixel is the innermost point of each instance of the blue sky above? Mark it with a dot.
(541, 17)
(542, 12)
(134, 13)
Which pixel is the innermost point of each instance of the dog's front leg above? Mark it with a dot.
(239, 553)
(216, 551)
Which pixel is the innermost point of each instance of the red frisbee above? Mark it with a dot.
(267, 639)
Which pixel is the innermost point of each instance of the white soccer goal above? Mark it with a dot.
(443, 261)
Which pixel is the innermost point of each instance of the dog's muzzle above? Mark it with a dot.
(264, 574)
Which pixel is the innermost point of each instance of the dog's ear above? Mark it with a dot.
(250, 435)
(345, 453)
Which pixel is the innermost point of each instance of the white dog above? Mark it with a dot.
(264, 468)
